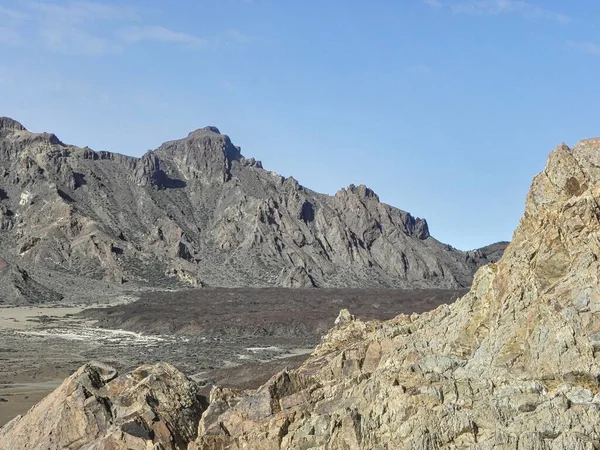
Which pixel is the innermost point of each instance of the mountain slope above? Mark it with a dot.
(514, 364)
(195, 212)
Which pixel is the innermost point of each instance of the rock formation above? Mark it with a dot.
(511, 365)
(195, 212)
(97, 409)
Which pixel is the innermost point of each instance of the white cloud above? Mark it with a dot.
(81, 11)
(160, 34)
(226, 85)
(76, 27)
(585, 46)
(497, 7)
(242, 38)
(92, 28)
(74, 41)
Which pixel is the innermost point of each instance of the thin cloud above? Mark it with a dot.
(13, 13)
(586, 47)
(80, 11)
(76, 28)
(242, 38)
(73, 41)
(226, 85)
(11, 37)
(433, 3)
(420, 69)
(498, 7)
(160, 34)
(93, 28)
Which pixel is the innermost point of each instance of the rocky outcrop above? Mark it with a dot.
(96, 409)
(196, 212)
(511, 365)
(206, 155)
(8, 124)
(18, 288)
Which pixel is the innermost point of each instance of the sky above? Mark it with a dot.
(445, 108)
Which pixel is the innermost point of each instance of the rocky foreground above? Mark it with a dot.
(511, 365)
(195, 212)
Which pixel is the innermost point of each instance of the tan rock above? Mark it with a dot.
(97, 409)
(510, 365)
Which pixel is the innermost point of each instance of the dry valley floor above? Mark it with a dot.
(231, 337)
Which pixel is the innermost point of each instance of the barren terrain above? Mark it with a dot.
(233, 337)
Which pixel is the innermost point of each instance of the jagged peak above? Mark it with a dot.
(6, 123)
(205, 153)
(361, 190)
(205, 130)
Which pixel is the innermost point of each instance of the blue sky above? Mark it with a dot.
(447, 109)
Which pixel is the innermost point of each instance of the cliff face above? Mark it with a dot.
(195, 212)
(511, 365)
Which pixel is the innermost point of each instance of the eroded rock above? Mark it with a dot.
(511, 365)
(196, 212)
(95, 408)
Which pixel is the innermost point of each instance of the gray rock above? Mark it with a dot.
(196, 212)
(510, 365)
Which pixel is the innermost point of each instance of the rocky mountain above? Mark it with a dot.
(196, 212)
(514, 364)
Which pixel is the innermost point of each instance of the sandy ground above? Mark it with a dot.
(27, 317)
(22, 396)
(237, 337)
(22, 392)
(29, 373)
(40, 347)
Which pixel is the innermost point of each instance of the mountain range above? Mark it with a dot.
(196, 212)
(514, 364)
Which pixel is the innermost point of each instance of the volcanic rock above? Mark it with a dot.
(18, 288)
(196, 212)
(512, 365)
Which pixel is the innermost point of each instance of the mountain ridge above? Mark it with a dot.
(514, 364)
(194, 212)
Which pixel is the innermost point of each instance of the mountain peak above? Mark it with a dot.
(205, 207)
(6, 123)
(205, 130)
(590, 142)
(361, 191)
